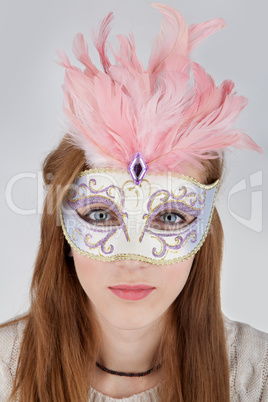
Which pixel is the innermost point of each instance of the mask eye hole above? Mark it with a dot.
(99, 215)
(171, 219)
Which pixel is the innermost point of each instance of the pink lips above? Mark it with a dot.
(132, 292)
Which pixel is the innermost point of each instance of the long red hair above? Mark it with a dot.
(60, 345)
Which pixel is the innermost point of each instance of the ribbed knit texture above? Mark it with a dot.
(248, 359)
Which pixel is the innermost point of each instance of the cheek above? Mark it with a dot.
(88, 271)
(175, 277)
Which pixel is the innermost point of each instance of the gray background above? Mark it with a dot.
(31, 102)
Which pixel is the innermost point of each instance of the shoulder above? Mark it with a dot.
(10, 339)
(248, 361)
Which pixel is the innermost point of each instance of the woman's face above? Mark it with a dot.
(100, 280)
(103, 282)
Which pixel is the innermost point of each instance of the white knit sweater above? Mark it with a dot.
(248, 359)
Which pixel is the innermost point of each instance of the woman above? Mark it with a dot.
(126, 287)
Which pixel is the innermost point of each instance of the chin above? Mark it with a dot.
(130, 317)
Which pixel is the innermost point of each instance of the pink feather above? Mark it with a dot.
(80, 49)
(172, 113)
(199, 32)
(100, 40)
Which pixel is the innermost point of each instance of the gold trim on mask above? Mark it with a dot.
(175, 174)
(82, 197)
(135, 187)
(155, 237)
(104, 245)
(197, 197)
(91, 184)
(130, 189)
(170, 245)
(88, 242)
(119, 196)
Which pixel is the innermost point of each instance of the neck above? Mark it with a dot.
(129, 350)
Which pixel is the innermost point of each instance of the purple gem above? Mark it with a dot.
(137, 168)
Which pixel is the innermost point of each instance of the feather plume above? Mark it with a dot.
(100, 40)
(80, 50)
(172, 112)
(172, 42)
(199, 32)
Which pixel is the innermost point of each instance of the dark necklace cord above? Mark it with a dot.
(122, 374)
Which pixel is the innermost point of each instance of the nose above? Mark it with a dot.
(131, 264)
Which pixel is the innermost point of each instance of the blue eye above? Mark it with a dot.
(171, 217)
(99, 215)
